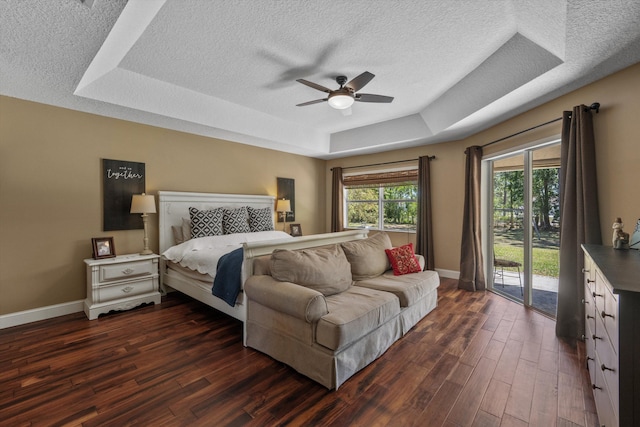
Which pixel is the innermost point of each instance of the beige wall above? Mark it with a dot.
(51, 198)
(617, 130)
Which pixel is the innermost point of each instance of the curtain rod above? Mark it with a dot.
(594, 106)
(384, 163)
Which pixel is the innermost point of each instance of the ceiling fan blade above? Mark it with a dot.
(316, 101)
(361, 81)
(368, 97)
(314, 85)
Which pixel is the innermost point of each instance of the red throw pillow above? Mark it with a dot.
(403, 260)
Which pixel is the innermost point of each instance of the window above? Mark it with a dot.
(382, 201)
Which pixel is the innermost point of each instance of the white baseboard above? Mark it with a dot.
(41, 313)
(449, 274)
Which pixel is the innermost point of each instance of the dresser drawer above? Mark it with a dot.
(124, 270)
(602, 395)
(589, 311)
(590, 349)
(123, 290)
(589, 275)
(609, 316)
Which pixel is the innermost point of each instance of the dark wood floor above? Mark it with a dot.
(478, 359)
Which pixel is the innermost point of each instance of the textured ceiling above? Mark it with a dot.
(227, 68)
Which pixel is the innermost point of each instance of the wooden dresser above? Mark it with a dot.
(612, 332)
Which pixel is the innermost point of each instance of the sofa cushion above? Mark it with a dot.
(353, 314)
(403, 260)
(367, 256)
(324, 269)
(409, 288)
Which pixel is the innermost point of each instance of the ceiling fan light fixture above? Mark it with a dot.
(340, 101)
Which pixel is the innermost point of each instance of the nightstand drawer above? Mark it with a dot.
(124, 270)
(123, 290)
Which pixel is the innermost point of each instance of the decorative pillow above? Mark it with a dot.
(403, 260)
(177, 234)
(205, 223)
(367, 256)
(324, 269)
(186, 229)
(260, 219)
(235, 221)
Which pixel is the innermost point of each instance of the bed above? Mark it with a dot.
(174, 210)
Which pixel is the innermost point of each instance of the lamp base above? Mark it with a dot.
(146, 252)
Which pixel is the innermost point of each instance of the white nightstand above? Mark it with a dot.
(121, 283)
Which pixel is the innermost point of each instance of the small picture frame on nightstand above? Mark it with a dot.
(296, 230)
(103, 247)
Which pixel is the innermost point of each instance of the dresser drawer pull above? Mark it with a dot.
(585, 270)
(128, 271)
(130, 288)
(595, 387)
(590, 281)
(587, 361)
(597, 295)
(584, 337)
(605, 368)
(585, 301)
(595, 337)
(590, 316)
(604, 314)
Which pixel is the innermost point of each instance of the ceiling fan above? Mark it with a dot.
(344, 97)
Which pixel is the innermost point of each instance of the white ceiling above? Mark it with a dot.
(228, 68)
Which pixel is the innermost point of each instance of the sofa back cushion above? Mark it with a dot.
(367, 256)
(324, 269)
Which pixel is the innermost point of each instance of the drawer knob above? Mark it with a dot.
(595, 387)
(587, 361)
(590, 316)
(128, 271)
(585, 270)
(584, 337)
(127, 289)
(596, 295)
(605, 368)
(605, 314)
(595, 337)
(590, 281)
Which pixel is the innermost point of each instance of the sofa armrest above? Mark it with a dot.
(421, 261)
(286, 297)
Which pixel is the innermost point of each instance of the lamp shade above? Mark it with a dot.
(143, 203)
(283, 205)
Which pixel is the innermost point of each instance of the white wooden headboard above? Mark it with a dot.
(174, 205)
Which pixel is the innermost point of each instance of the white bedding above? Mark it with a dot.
(202, 254)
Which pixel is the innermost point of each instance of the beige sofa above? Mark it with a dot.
(330, 311)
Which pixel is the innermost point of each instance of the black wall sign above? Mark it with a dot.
(121, 180)
(287, 190)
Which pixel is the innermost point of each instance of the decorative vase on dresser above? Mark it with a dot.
(612, 332)
(121, 283)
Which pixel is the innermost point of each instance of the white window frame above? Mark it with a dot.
(381, 202)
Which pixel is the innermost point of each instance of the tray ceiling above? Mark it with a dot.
(228, 69)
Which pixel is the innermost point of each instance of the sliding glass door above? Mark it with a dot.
(522, 217)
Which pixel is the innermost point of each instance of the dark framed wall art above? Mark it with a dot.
(287, 190)
(120, 181)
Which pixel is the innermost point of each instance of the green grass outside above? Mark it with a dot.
(545, 260)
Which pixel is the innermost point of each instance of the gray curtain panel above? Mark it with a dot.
(337, 200)
(579, 220)
(471, 264)
(424, 234)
